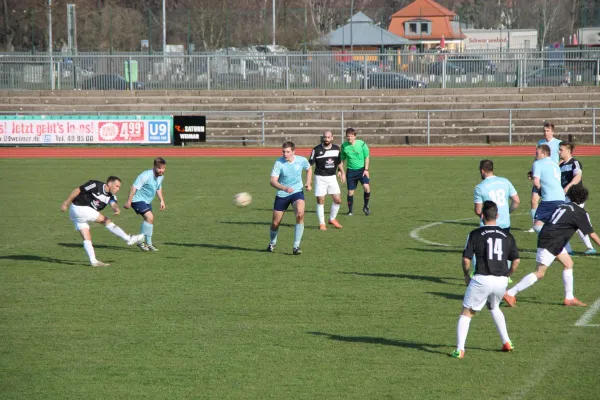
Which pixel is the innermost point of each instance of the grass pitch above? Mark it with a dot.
(366, 312)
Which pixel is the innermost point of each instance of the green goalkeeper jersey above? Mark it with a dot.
(355, 154)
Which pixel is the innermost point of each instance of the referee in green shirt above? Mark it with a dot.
(355, 155)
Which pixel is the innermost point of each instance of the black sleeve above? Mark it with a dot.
(311, 159)
(583, 223)
(469, 250)
(513, 253)
(88, 186)
(338, 160)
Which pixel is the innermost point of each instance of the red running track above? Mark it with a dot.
(434, 151)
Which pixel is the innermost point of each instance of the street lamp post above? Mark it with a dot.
(50, 50)
(164, 24)
(274, 23)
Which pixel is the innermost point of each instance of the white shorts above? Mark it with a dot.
(485, 289)
(546, 258)
(325, 185)
(81, 215)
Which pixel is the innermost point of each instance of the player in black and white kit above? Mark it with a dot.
(327, 159)
(86, 203)
(492, 247)
(553, 237)
(571, 173)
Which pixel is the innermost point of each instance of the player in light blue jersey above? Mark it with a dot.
(496, 189)
(546, 178)
(553, 143)
(286, 177)
(147, 185)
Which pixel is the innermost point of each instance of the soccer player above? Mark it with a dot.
(555, 234)
(553, 144)
(327, 158)
(493, 247)
(355, 153)
(497, 189)
(146, 186)
(571, 172)
(286, 177)
(86, 203)
(546, 178)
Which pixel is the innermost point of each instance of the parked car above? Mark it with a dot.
(109, 82)
(436, 68)
(552, 76)
(473, 64)
(392, 80)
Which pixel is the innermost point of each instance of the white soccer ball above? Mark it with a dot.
(242, 199)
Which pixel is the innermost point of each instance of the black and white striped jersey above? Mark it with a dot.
(92, 194)
(568, 170)
(326, 160)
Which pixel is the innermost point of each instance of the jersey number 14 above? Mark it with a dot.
(494, 247)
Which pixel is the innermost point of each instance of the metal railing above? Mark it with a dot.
(502, 124)
(258, 71)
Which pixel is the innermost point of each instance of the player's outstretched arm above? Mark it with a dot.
(595, 238)
(115, 208)
(309, 176)
(515, 202)
(130, 198)
(69, 199)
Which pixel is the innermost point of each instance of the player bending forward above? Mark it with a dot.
(492, 247)
(555, 234)
(86, 202)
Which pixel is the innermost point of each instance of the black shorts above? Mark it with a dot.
(353, 176)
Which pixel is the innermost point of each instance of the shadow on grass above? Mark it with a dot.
(27, 257)
(289, 210)
(438, 250)
(433, 279)
(99, 246)
(449, 296)
(216, 246)
(264, 223)
(427, 347)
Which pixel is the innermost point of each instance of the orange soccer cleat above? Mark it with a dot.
(322, 227)
(510, 300)
(574, 303)
(335, 223)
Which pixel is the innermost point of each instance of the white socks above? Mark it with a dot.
(89, 249)
(568, 282)
(334, 211)
(462, 330)
(321, 213)
(527, 281)
(114, 229)
(498, 317)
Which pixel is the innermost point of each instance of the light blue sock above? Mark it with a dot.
(273, 235)
(298, 231)
(147, 229)
(533, 211)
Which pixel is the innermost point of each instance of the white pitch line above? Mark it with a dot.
(589, 314)
(415, 232)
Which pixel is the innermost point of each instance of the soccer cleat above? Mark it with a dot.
(530, 230)
(508, 346)
(151, 247)
(335, 223)
(133, 239)
(458, 354)
(322, 227)
(510, 300)
(590, 252)
(143, 246)
(571, 253)
(350, 213)
(366, 210)
(100, 264)
(574, 303)
(297, 251)
(510, 280)
(271, 248)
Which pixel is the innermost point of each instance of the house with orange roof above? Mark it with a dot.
(428, 23)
